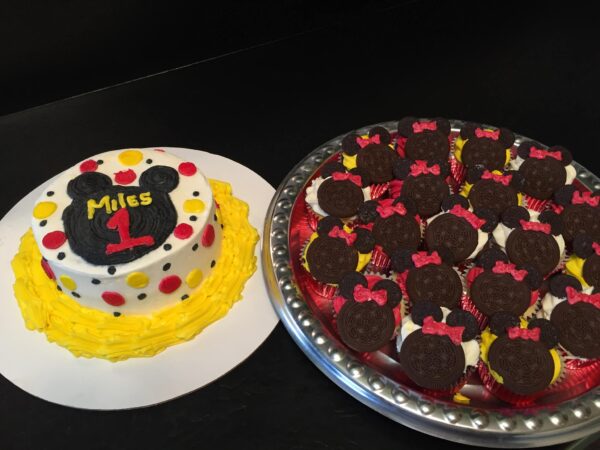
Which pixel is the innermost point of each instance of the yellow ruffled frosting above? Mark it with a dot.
(574, 266)
(460, 143)
(92, 333)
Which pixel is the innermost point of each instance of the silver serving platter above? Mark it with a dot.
(487, 423)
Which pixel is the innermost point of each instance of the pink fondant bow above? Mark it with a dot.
(363, 294)
(510, 269)
(337, 232)
(430, 326)
(421, 259)
(420, 168)
(596, 248)
(473, 220)
(419, 127)
(386, 208)
(573, 296)
(580, 198)
(498, 178)
(539, 153)
(493, 135)
(363, 142)
(341, 176)
(524, 333)
(535, 226)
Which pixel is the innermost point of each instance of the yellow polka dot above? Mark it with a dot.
(130, 157)
(44, 210)
(193, 206)
(137, 280)
(194, 278)
(68, 282)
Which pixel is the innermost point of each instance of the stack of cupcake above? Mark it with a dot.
(465, 252)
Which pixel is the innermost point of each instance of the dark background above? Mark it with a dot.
(271, 81)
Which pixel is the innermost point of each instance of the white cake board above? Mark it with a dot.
(52, 373)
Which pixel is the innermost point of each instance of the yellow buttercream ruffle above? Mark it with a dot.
(574, 266)
(92, 333)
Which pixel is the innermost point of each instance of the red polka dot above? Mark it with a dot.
(187, 168)
(48, 269)
(88, 166)
(113, 298)
(54, 239)
(169, 284)
(159, 150)
(208, 237)
(125, 176)
(217, 205)
(183, 231)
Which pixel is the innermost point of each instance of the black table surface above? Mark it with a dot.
(534, 71)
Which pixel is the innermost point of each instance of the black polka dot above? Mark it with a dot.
(43, 223)
(222, 226)
(58, 287)
(148, 161)
(167, 247)
(215, 217)
(50, 193)
(61, 255)
(195, 247)
(116, 314)
(195, 193)
(184, 297)
(193, 218)
(167, 266)
(75, 294)
(99, 162)
(95, 281)
(212, 263)
(142, 296)
(112, 270)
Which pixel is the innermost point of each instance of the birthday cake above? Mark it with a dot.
(132, 251)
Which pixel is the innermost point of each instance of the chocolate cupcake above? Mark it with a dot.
(371, 154)
(423, 139)
(428, 277)
(580, 212)
(584, 262)
(496, 190)
(461, 231)
(436, 347)
(480, 146)
(423, 182)
(531, 238)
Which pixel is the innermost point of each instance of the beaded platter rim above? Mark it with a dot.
(541, 426)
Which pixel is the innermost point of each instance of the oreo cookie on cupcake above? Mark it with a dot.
(368, 310)
(580, 212)
(460, 230)
(520, 358)
(495, 190)
(437, 347)
(495, 285)
(584, 262)
(533, 238)
(423, 139)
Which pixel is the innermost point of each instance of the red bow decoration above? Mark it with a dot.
(341, 176)
(502, 267)
(386, 208)
(498, 178)
(337, 232)
(419, 127)
(473, 220)
(363, 294)
(363, 142)
(493, 135)
(580, 198)
(420, 168)
(596, 248)
(573, 296)
(536, 226)
(524, 333)
(430, 326)
(421, 259)
(539, 153)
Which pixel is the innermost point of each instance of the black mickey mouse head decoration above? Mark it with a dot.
(341, 193)
(485, 147)
(372, 155)
(495, 190)
(107, 224)
(424, 139)
(580, 212)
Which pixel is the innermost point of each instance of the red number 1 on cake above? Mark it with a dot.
(120, 222)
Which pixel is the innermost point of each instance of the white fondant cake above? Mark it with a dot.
(128, 231)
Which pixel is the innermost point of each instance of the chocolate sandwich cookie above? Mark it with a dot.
(373, 155)
(533, 247)
(365, 327)
(485, 147)
(581, 212)
(496, 190)
(491, 293)
(426, 139)
(579, 328)
(340, 198)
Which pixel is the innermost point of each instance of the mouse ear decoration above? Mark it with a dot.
(350, 144)
(443, 125)
(384, 135)
(517, 180)
(328, 223)
(474, 173)
(444, 168)
(401, 168)
(349, 281)
(468, 130)
(512, 216)
(560, 282)
(445, 254)
(583, 245)
(394, 294)
(506, 137)
(367, 212)
(364, 176)
(566, 157)
(328, 169)
(425, 308)
(401, 260)
(533, 278)
(365, 242)
(409, 204)
(548, 332)
(461, 318)
(555, 221)
(524, 149)
(487, 258)
(491, 219)
(501, 321)
(405, 126)
(452, 200)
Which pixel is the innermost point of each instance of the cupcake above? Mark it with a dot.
(580, 212)
(496, 190)
(394, 225)
(368, 310)
(520, 359)
(462, 231)
(423, 139)
(584, 263)
(428, 277)
(544, 172)
(495, 285)
(576, 316)
(437, 347)
(533, 238)
(333, 251)
(424, 182)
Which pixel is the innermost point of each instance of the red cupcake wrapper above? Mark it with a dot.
(534, 204)
(380, 261)
(467, 304)
(499, 391)
(379, 190)
(400, 143)
(582, 364)
(324, 290)
(312, 218)
(458, 172)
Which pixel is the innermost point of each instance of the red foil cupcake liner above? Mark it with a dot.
(379, 190)
(467, 304)
(582, 365)
(534, 204)
(395, 188)
(400, 143)
(322, 289)
(380, 261)
(499, 391)
(458, 172)
(312, 218)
